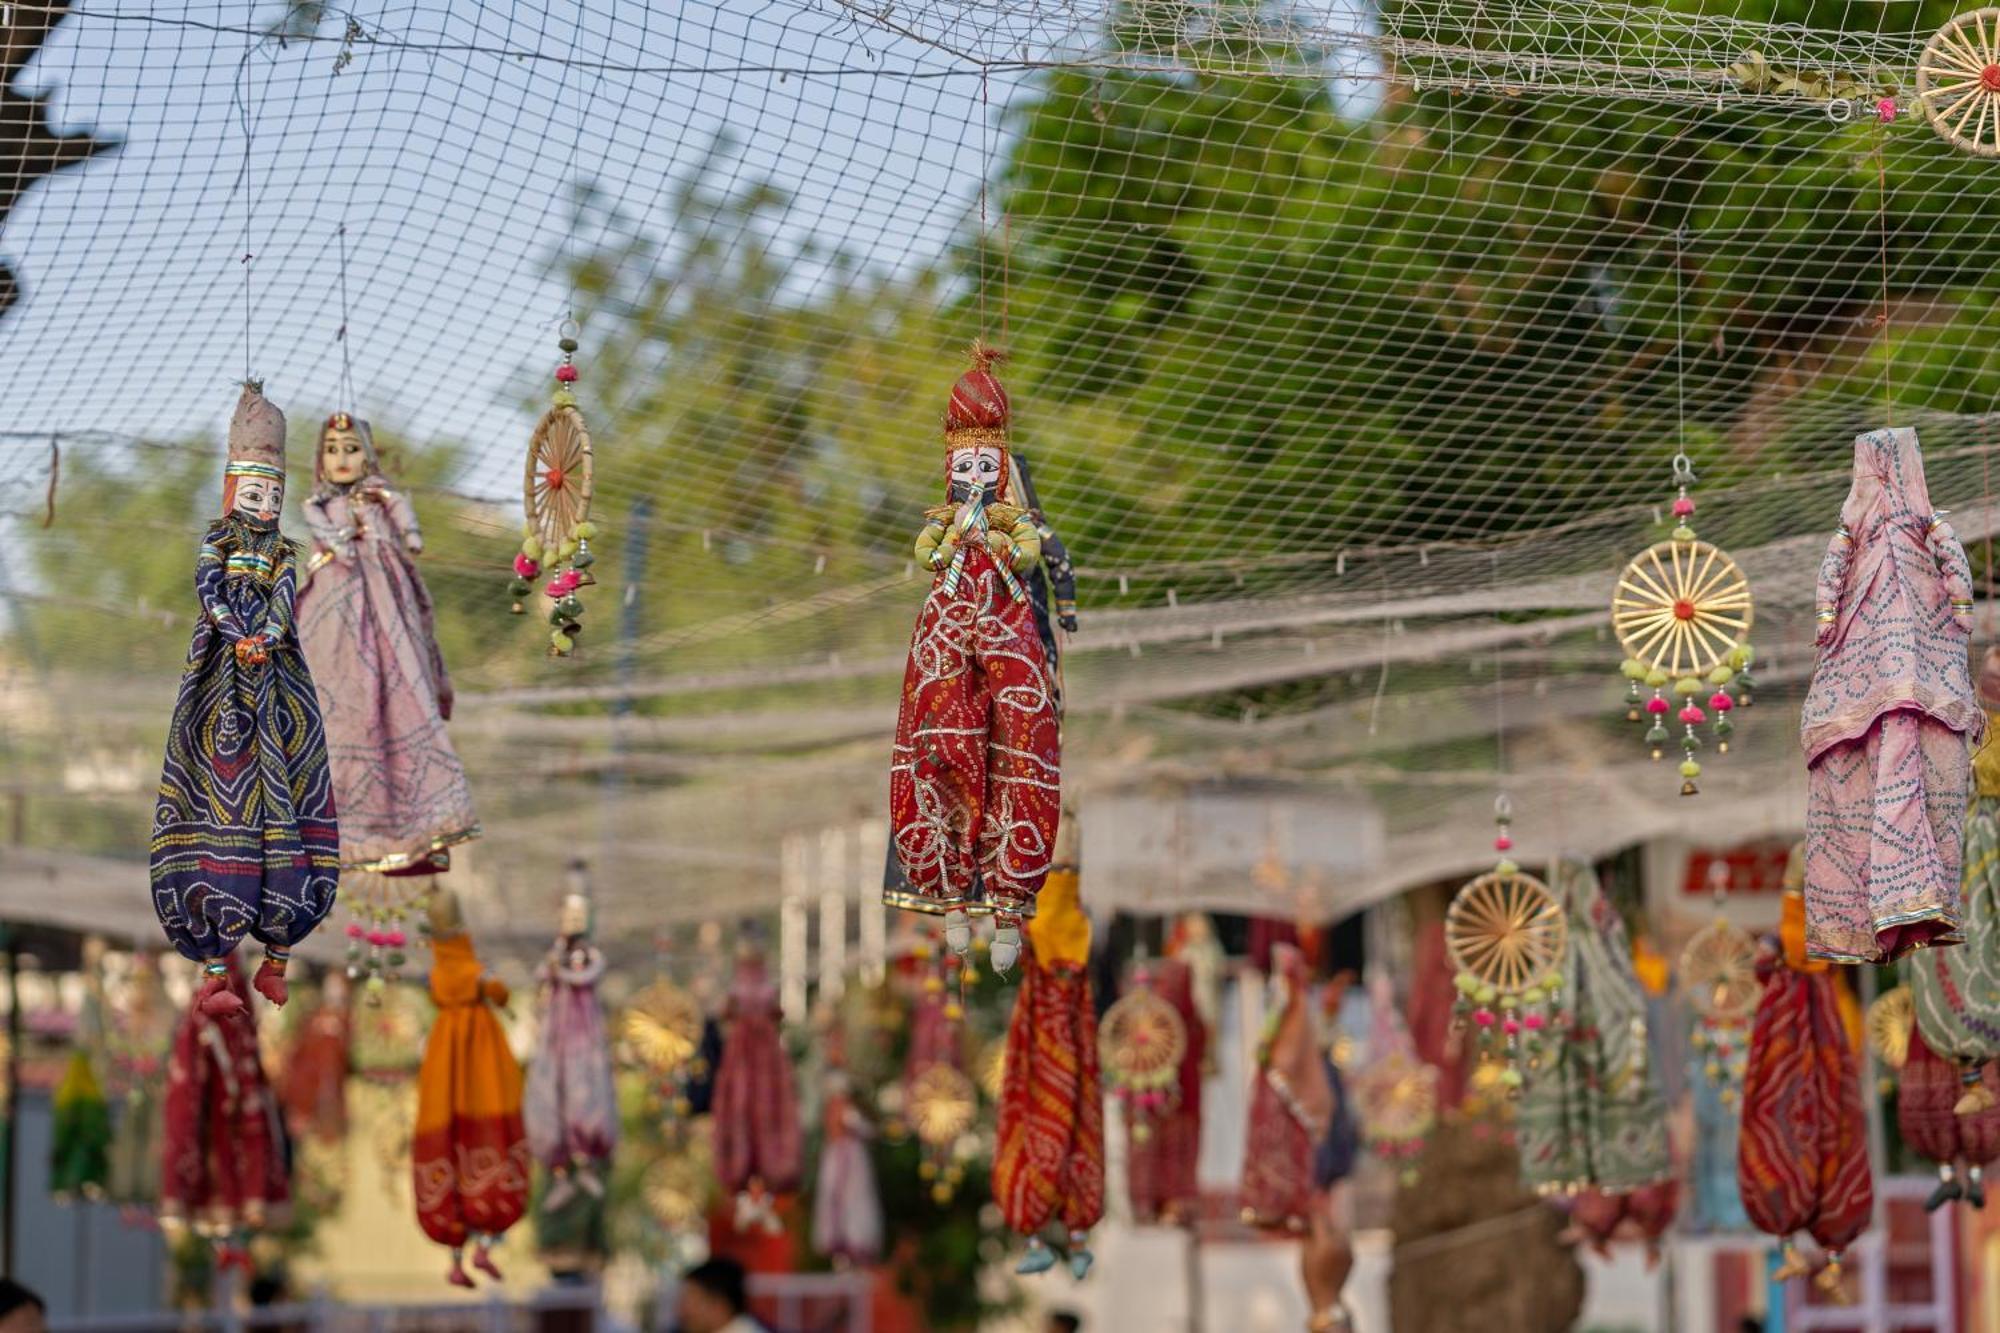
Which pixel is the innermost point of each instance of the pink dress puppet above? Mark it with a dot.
(366, 622)
(570, 1106)
(756, 1109)
(1291, 1103)
(1887, 721)
(847, 1210)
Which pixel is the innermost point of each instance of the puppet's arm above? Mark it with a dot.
(278, 626)
(326, 534)
(936, 543)
(210, 571)
(1832, 582)
(402, 517)
(1954, 568)
(1020, 546)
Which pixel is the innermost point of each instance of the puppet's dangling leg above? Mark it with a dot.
(1039, 1258)
(458, 1277)
(270, 979)
(1830, 1277)
(958, 931)
(1947, 1189)
(1790, 1263)
(1977, 1096)
(215, 998)
(1080, 1257)
(1006, 942)
(587, 1181)
(1975, 1186)
(561, 1190)
(482, 1259)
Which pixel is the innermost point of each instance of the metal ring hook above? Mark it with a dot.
(1683, 470)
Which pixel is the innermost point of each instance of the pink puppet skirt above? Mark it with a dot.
(1883, 818)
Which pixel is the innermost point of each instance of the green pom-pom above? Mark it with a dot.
(570, 607)
(1742, 655)
(531, 546)
(1506, 867)
(1633, 668)
(1690, 769)
(586, 531)
(1486, 994)
(1723, 726)
(1533, 995)
(1508, 1002)
(1511, 1078)
(583, 559)
(1721, 675)
(1683, 533)
(1656, 678)
(520, 587)
(562, 643)
(566, 550)
(375, 984)
(1687, 686)
(1466, 983)
(1657, 734)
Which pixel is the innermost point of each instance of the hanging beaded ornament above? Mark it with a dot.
(377, 932)
(1397, 1097)
(942, 1107)
(1958, 82)
(1506, 934)
(661, 1030)
(1140, 1044)
(1718, 971)
(1682, 612)
(556, 489)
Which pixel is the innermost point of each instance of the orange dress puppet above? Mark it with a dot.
(470, 1150)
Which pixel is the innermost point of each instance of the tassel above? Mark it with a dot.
(1791, 1264)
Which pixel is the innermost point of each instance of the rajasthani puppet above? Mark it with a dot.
(758, 1146)
(244, 840)
(224, 1165)
(1051, 580)
(1802, 1156)
(369, 632)
(1887, 720)
(142, 1031)
(469, 1151)
(847, 1210)
(1048, 1156)
(1928, 1093)
(975, 776)
(1291, 1103)
(571, 1108)
(1591, 1120)
(1957, 991)
(1160, 1161)
(315, 1083)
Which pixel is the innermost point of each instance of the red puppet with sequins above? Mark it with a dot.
(975, 778)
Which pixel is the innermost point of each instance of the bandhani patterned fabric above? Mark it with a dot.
(1593, 1117)
(244, 838)
(469, 1150)
(1160, 1170)
(1290, 1102)
(1928, 1088)
(756, 1106)
(1957, 991)
(224, 1162)
(1048, 1160)
(571, 1107)
(1887, 719)
(366, 622)
(1802, 1157)
(975, 775)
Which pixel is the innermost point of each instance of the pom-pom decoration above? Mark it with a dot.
(1718, 973)
(1397, 1097)
(1958, 82)
(1682, 612)
(1506, 933)
(1141, 1042)
(556, 489)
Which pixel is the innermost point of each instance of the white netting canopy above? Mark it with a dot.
(1351, 343)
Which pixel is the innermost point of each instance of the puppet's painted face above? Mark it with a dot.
(260, 498)
(342, 458)
(575, 917)
(975, 472)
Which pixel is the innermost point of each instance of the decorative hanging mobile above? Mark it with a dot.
(1140, 1045)
(1397, 1097)
(1718, 971)
(662, 1034)
(556, 490)
(1506, 934)
(1682, 612)
(1958, 82)
(376, 934)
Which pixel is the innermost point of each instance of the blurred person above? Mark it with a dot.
(21, 1310)
(712, 1300)
(1062, 1321)
(1325, 1259)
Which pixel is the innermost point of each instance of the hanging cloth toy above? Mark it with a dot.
(1802, 1159)
(1957, 991)
(224, 1169)
(141, 1035)
(975, 777)
(1048, 1162)
(314, 1092)
(370, 635)
(847, 1209)
(1291, 1103)
(758, 1146)
(469, 1150)
(1928, 1091)
(244, 839)
(571, 1108)
(1395, 1092)
(1591, 1117)
(1163, 1132)
(1887, 719)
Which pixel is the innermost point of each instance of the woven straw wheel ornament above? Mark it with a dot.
(1397, 1099)
(943, 1103)
(662, 1028)
(1507, 929)
(557, 486)
(1958, 82)
(1681, 607)
(1891, 1017)
(1719, 971)
(1141, 1041)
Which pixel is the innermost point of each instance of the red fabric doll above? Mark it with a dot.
(1929, 1089)
(758, 1146)
(975, 776)
(1291, 1103)
(1160, 1166)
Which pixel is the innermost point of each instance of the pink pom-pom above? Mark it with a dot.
(1483, 1017)
(1656, 705)
(1503, 843)
(1683, 507)
(565, 583)
(354, 931)
(396, 939)
(1692, 714)
(1721, 702)
(1886, 109)
(566, 374)
(378, 938)
(1510, 1026)
(525, 567)
(1534, 1022)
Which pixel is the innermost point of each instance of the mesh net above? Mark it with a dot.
(1350, 344)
